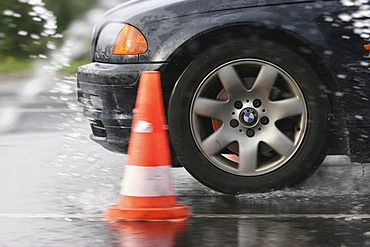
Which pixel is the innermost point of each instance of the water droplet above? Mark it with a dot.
(329, 18)
(35, 36)
(345, 17)
(42, 56)
(339, 94)
(8, 12)
(37, 19)
(22, 33)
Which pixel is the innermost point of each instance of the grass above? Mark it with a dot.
(12, 65)
(15, 65)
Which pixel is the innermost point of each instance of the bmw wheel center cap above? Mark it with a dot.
(249, 117)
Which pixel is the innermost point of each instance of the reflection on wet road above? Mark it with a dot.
(55, 185)
(197, 231)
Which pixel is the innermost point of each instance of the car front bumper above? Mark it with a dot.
(108, 94)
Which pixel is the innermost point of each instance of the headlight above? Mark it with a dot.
(130, 41)
(120, 39)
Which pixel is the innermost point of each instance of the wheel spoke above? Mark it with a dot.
(209, 108)
(216, 142)
(248, 158)
(226, 140)
(280, 142)
(230, 80)
(265, 79)
(287, 108)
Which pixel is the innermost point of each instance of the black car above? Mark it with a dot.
(257, 92)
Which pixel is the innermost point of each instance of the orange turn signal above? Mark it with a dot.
(367, 47)
(130, 41)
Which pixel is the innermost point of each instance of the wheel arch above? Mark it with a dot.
(185, 54)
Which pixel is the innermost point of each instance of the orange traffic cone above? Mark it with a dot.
(147, 192)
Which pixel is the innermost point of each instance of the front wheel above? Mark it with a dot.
(246, 118)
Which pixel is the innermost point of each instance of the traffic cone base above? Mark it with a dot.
(147, 202)
(177, 212)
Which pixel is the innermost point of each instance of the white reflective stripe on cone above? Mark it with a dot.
(147, 181)
(143, 127)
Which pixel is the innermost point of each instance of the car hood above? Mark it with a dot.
(156, 10)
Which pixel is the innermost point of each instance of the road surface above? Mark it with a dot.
(55, 185)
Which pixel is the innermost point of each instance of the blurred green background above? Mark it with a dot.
(26, 32)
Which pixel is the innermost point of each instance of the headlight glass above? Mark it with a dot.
(130, 41)
(120, 39)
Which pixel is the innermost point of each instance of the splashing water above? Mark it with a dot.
(45, 66)
(360, 18)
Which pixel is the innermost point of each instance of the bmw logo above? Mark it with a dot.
(249, 117)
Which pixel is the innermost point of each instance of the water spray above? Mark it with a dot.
(46, 66)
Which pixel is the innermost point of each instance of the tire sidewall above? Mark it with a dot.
(299, 167)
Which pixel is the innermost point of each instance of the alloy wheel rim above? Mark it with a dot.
(248, 117)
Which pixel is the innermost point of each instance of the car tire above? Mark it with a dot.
(249, 116)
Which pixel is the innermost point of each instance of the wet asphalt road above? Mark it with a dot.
(55, 185)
